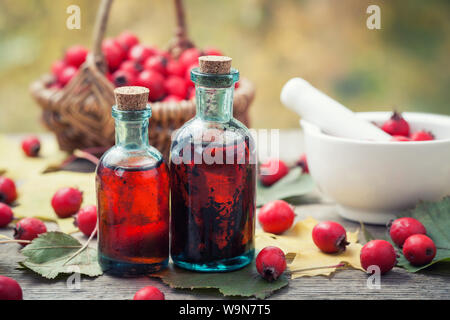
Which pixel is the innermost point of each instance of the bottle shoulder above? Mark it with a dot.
(118, 156)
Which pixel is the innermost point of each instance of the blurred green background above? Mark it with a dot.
(404, 65)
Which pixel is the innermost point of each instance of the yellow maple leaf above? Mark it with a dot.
(36, 192)
(16, 165)
(298, 240)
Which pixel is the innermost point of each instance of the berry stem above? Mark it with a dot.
(84, 246)
(341, 265)
(14, 241)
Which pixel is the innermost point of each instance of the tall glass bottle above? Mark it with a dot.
(132, 193)
(212, 174)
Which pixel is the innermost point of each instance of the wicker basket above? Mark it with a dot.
(80, 113)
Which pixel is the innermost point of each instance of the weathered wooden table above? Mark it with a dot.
(344, 284)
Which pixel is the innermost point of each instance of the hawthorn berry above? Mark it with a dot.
(67, 201)
(188, 74)
(400, 138)
(156, 63)
(276, 216)
(8, 191)
(66, 75)
(378, 253)
(402, 228)
(127, 40)
(271, 263)
(28, 229)
(140, 53)
(189, 57)
(75, 56)
(210, 51)
(123, 78)
(6, 215)
(10, 289)
(272, 171)
(154, 81)
(86, 219)
(175, 68)
(176, 86)
(330, 237)
(396, 125)
(31, 146)
(422, 136)
(149, 293)
(419, 249)
(303, 163)
(114, 53)
(58, 67)
(131, 67)
(172, 98)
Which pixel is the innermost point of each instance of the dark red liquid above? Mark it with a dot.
(133, 208)
(213, 207)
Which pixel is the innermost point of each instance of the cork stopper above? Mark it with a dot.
(131, 98)
(215, 64)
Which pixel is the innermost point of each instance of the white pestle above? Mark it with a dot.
(329, 115)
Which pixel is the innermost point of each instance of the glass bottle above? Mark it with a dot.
(213, 178)
(132, 193)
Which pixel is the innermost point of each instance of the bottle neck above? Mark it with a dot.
(132, 134)
(214, 104)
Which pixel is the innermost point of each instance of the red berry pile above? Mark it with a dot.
(399, 129)
(131, 63)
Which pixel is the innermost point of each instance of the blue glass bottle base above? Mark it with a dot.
(223, 265)
(126, 269)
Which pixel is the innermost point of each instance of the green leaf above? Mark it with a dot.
(435, 216)
(245, 282)
(294, 184)
(52, 253)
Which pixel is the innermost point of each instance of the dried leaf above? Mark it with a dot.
(435, 216)
(298, 240)
(294, 184)
(36, 192)
(245, 282)
(52, 253)
(16, 165)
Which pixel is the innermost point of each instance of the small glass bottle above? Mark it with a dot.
(132, 193)
(213, 178)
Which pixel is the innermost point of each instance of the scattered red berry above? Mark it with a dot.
(303, 163)
(31, 146)
(419, 249)
(271, 263)
(210, 51)
(127, 40)
(330, 237)
(8, 191)
(6, 215)
(154, 81)
(149, 293)
(400, 138)
(396, 125)
(272, 171)
(75, 56)
(176, 86)
(380, 253)
(10, 289)
(189, 57)
(123, 78)
(67, 201)
(156, 63)
(402, 228)
(86, 219)
(140, 53)
(276, 216)
(422, 136)
(67, 74)
(114, 53)
(28, 229)
(175, 68)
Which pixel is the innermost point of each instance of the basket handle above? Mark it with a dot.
(99, 33)
(181, 41)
